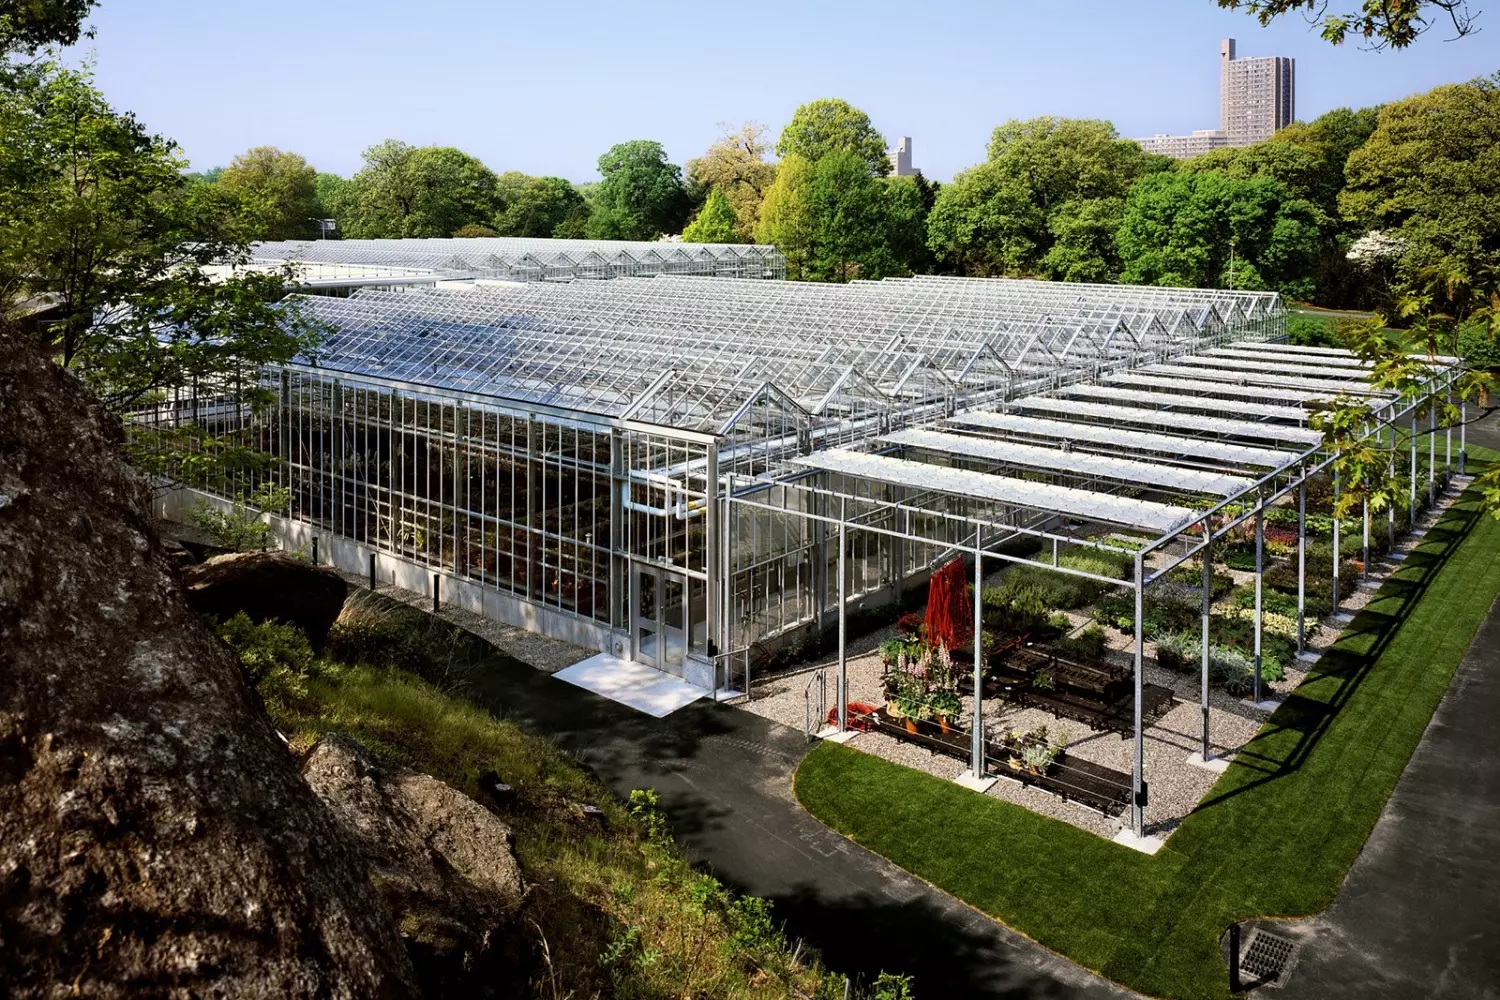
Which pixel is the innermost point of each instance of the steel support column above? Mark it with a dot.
(1208, 592)
(1260, 550)
(1137, 775)
(842, 690)
(1302, 563)
(976, 749)
(1337, 552)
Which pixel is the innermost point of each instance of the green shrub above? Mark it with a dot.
(1090, 644)
(1190, 574)
(1477, 347)
(1311, 331)
(268, 648)
(1230, 667)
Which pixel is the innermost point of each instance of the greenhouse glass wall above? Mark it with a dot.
(662, 468)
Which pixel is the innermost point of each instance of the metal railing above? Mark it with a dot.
(812, 721)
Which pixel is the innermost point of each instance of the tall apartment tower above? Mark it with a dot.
(901, 158)
(1256, 96)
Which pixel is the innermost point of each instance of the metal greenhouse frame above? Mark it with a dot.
(686, 471)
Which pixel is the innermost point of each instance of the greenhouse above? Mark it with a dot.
(702, 475)
(326, 265)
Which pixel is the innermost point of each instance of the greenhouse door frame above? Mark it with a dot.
(659, 611)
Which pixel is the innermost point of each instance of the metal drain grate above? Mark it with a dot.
(1267, 957)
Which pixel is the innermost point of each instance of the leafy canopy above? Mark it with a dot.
(278, 190)
(716, 223)
(641, 195)
(786, 216)
(736, 165)
(407, 191)
(832, 125)
(1381, 23)
(540, 207)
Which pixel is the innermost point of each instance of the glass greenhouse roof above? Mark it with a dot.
(693, 353)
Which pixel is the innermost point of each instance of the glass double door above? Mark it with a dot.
(660, 629)
(668, 618)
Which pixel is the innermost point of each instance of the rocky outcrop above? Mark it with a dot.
(443, 863)
(156, 838)
(268, 586)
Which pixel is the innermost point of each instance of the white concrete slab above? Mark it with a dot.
(832, 735)
(1146, 845)
(643, 688)
(1268, 705)
(1309, 656)
(1396, 556)
(974, 784)
(1218, 765)
(1343, 618)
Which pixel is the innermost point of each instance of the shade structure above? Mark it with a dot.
(1315, 387)
(1166, 418)
(1187, 401)
(1086, 504)
(1127, 438)
(1079, 464)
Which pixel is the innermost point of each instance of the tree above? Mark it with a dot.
(641, 195)
(1208, 230)
(1430, 175)
(1083, 240)
(830, 125)
(908, 202)
(335, 196)
(407, 191)
(29, 25)
(99, 225)
(786, 215)
(716, 223)
(279, 192)
(540, 207)
(850, 221)
(736, 165)
(1004, 216)
(1380, 22)
(473, 231)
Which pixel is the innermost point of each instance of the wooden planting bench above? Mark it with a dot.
(1072, 779)
(1098, 695)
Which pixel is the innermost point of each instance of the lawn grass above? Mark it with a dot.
(1273, 837)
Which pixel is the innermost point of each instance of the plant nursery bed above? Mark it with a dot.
(1072, 779)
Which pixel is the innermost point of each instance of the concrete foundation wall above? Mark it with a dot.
(354, 557)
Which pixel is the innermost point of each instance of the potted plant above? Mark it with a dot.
(910, 708)
(946, 706)
(1038, 757)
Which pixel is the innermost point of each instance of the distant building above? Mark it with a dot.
(1257, 96)
(901, 158)
(1185, 146)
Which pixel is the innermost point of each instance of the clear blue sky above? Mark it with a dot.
(546, 87)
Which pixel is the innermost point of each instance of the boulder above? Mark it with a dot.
(156, 837)
(443, 862)
(268, 586)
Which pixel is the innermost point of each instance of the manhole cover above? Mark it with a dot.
(1267, 957)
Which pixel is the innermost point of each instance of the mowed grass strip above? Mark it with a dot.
(1274, 836)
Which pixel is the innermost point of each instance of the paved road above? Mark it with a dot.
(725, 780)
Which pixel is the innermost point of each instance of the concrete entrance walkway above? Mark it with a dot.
(1419, 915)
(724, 777)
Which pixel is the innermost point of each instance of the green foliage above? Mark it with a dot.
(848, 209)
(831, 125)
(1047, 201)
(540, 208)
(736, 165)
(716, 223)
(241, 528)
(1479, 346)
(95, 211)
(408, 191)
(641, 196)
(1426, 176)
(268, 648)
(1087, 646)
(1209, 230)
(474, 231)
(278, 190)
(1310, 331)
(889, 986)
(28, 26)
(787, 219)
(1377, 23)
